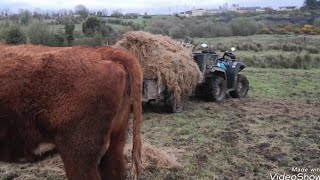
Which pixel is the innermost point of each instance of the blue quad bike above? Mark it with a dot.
(221, 76)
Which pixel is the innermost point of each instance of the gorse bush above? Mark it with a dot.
(94, 27)
(178, 28)
(243, 27)
(56, 39)
(14, 35)
(3, 27)
(290, 29)
(91, 26)
(68, 32)
(38, 33)
(296, 61)
(177, 32)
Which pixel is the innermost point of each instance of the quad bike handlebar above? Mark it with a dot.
(230, 55)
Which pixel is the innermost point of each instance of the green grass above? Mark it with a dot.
(221, 142)
(284, 83)
(276, 128)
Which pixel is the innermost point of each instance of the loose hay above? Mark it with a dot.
(164, 59)
(50, 168)
(154, 158)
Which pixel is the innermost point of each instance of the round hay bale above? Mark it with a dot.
(164, 59)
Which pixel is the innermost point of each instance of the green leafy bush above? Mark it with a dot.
(14, 35)
(91, 26)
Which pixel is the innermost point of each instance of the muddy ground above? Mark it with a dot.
(238, 139)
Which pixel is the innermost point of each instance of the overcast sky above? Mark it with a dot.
(150, 6)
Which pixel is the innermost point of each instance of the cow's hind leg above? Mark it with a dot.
(78, 163)
(81, 146)
(112, 165)
(80, 159)
(77, 169)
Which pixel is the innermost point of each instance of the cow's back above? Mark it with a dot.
(48, 78)
(52, 88)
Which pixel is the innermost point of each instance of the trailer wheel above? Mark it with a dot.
(174, 104)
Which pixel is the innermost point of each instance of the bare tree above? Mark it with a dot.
(104, 12)
(25, 16)
(70, 12)
(6, 12)
(82, 10)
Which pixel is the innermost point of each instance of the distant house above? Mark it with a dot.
(198, 12)
(132, 15)
(249, 9)
(185, 14)
(288, 8)
(260, 10)
(215, 11)
(76, 15)
(193, 12)
(234, 8)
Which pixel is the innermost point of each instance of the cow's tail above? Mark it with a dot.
(132, 65)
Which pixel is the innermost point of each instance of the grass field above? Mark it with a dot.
(271, 51)
(276, 128)
(288, 84)
(263, 39)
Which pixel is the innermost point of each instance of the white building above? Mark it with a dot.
(215, 11)
(288, 8)
(198, 12)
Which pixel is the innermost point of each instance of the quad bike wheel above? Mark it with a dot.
(242, 87)
(215, 89)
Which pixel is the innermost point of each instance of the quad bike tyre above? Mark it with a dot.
(242, 87)
(215, 89)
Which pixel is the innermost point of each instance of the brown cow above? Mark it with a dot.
(78, 99)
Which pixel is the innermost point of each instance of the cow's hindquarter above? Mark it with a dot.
(133, 68)
(84, 141)
(112, 164)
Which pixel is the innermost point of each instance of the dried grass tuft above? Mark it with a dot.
(155, 158)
